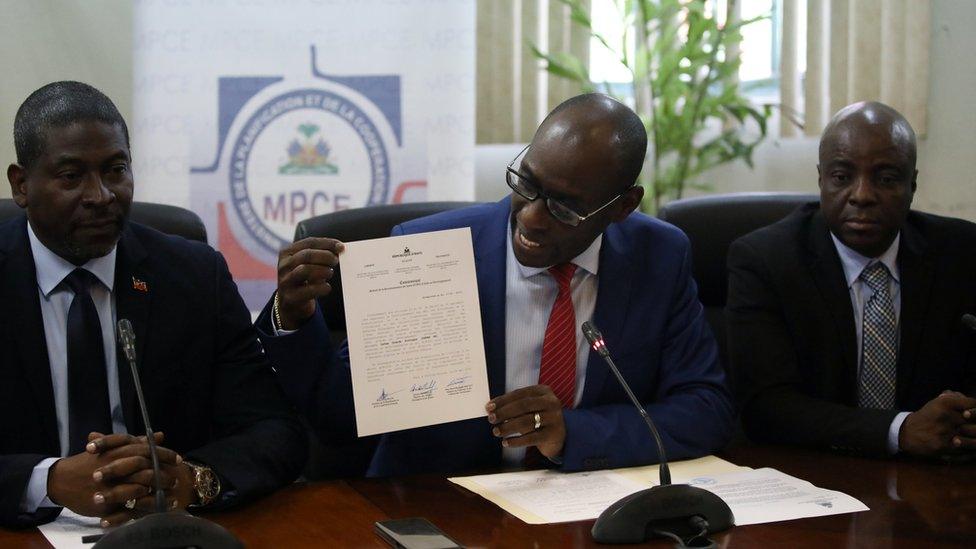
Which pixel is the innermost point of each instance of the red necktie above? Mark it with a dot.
(558, 367)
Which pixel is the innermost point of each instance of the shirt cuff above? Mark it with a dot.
(274, 331)
(35, 496)
(893, 432)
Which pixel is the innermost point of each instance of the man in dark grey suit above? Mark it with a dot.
(844, 318)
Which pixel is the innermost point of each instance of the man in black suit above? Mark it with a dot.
(844, 317)
(69, 270)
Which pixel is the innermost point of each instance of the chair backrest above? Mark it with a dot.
(361, 224)
(162, 217)
(712, 223)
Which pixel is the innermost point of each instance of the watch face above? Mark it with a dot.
(207, 485)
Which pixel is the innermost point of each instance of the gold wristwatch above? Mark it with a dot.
(206, 483)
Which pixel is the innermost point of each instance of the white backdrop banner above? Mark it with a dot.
(257, 114)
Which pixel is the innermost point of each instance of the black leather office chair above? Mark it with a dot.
(162, 217)
(712, 223)
(361, 224)
(350, 458)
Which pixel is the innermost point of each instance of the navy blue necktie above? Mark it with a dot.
(88, 405)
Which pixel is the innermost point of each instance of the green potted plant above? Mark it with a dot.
(685, 89)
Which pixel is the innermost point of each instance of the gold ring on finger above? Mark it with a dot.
(538, 420)
(130, 503)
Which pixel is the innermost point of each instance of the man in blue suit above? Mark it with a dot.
(564, 248)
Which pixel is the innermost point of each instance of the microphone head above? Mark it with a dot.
(590, 332)
(125, 327)
(127, 338)
(969, 321)
(593, 335)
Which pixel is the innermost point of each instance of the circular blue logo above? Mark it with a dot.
(311, 156)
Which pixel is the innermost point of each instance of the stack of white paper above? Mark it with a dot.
(755, 496)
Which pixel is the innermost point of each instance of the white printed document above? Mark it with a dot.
(69, 530)
(768, 495)
(755, 496)
(413, 321)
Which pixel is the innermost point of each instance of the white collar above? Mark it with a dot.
(588, 260)
(854, 263)
(52, 268)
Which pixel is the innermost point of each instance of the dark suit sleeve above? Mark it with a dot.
(691, 405)
(313, 374)
(774, 405)
(258, 442)
(15, 472)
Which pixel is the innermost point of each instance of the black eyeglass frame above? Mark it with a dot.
(574, 221)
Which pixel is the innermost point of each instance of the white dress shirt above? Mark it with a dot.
(854, 263)
(530, 293)
(55, 300)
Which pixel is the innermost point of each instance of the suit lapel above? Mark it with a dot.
(612, 300)
(915, 270)
(133, 295)
(828, 276)
(490, 255)
(20, 281)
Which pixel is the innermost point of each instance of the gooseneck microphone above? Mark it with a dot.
(678, 511)
(596, 342)
(162, 529)
(127, 339)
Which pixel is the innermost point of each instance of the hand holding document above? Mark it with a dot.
(414, 327)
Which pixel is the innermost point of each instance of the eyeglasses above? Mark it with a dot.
(529, 191)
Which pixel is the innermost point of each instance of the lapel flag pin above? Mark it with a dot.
(139, 285)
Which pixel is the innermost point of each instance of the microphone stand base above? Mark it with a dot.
(170, 529)
(634, 518)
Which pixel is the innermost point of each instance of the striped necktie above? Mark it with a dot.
(558, 366)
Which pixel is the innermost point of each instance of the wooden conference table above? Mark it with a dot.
(913, 504)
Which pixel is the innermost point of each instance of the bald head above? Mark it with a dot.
(867, 176)
(598, 123)
(859, 119)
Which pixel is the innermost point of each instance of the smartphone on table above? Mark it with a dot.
(414, 533)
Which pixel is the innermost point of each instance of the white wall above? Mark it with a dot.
(43, 41)
(947, 156)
